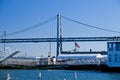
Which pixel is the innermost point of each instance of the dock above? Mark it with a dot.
(52, 63)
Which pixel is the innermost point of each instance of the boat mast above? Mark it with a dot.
(4, 45)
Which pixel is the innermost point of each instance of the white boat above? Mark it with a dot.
(9, 77)
(65, 79)
(39, 76)
(75, 75)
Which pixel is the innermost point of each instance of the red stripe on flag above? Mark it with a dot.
(77, 45)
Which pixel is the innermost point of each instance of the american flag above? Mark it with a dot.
(77, 45)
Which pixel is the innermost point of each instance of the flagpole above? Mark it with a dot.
(75, 48)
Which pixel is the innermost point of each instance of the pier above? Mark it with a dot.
(74, 62)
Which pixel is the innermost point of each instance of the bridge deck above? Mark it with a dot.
(69, 39)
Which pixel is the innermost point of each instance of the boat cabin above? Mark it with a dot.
(113, 49)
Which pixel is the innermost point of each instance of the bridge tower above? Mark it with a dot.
(59, 35)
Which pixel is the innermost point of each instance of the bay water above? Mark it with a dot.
(58, 75)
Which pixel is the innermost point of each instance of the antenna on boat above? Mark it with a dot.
(49, 54)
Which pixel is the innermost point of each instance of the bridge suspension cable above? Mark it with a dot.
(88, 25)
(33, 27)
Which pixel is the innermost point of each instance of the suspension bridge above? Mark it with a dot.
(59, 35)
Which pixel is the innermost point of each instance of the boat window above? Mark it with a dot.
(109, 58)
(118, 47)
(114, 46)
(110, 47)
(116, 58)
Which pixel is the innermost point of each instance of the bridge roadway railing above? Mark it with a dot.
(67, 39)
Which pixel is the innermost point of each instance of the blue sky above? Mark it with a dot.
(19, 14)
